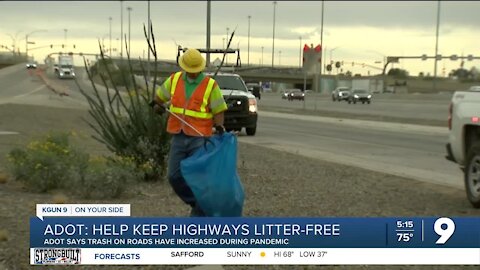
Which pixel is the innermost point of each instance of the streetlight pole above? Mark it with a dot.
(273, 36)
(118, 40)
(331, 50)
(262, 55)
(121, 29)
(27, 42)
(226, 46)
(65, 30)
(300, 53)
(14, 41)
(279, 58)
(384, 61)
(323, 49)
(129, 48)
(103, 42)
(248, 45)
(110, 36)
(436, 48)
(208, 31)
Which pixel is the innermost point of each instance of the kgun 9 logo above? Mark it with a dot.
(444, 227)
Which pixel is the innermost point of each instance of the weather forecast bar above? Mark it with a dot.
(151, 240)
(293, 256)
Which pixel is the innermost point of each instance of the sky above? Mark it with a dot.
(353, 31)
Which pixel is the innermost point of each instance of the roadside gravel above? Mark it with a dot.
(277, 184)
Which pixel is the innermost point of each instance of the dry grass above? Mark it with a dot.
(59, 199)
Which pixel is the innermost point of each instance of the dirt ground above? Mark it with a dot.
(277, 184)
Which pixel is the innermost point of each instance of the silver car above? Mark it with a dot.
(341, 93)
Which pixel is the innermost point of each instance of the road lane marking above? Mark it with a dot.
(8, 133)
(29, 93)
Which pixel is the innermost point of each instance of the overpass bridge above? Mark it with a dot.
(250, 74)
(253, 73)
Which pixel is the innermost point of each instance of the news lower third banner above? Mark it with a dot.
(108, 235)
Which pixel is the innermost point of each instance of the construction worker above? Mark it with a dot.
(197, 100)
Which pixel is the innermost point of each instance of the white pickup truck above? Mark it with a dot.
(463, 145)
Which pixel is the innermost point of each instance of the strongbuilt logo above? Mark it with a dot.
(57, 256)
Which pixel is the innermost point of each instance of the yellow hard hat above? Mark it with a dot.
(192, 61)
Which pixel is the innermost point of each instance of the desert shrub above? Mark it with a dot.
(106, 178)
(52, 163)
(124, 121)
(47, 163)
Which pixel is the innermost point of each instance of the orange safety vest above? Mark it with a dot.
(195, 111)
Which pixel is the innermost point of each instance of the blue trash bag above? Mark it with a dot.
(211, 173)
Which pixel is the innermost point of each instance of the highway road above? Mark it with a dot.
(22, 86)
(412, 151)
(420, 106)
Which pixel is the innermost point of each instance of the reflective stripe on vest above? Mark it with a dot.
(190, 113)
(203, 108)
(207, 95)
(174, 82)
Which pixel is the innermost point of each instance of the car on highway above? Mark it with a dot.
(285, 94)
(341, 93)
(255, 89)
(474, 88)
(31, 65)
(360, 95)
(296, 94)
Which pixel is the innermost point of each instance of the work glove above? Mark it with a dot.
(157, 108)
(219, 130)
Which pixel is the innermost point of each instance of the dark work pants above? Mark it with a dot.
(183, 146)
